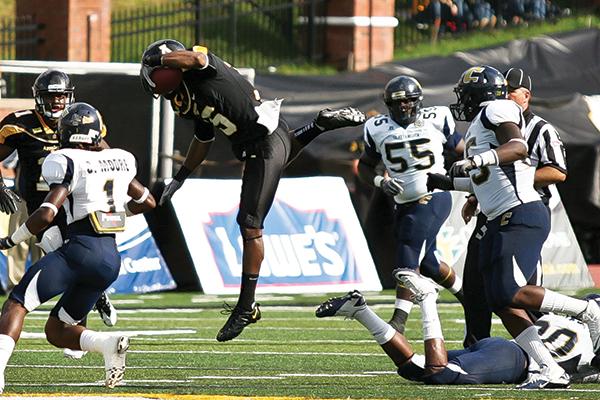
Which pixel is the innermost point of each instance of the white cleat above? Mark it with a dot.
(345, 306)
(74, 354)
(419, 286)
(591, 316)
(114, 359)
(547, 379)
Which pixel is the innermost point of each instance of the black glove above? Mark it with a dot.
(461, 168)
(6, 243)
(152, 60)
(8, 200)
(439, 181)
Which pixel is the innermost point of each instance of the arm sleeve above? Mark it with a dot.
(551, 149)
(58, 169)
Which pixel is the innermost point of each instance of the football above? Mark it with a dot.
(166, 79)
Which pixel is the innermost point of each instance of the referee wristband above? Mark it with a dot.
(50, 206)
(378, 180)
(21, 234)
(143, 197)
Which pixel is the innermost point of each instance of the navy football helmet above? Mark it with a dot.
(476, 85)
(47, 89)
(80, 124)
(403, 97)
(159, 47)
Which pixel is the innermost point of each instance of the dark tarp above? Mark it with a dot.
(563, 67)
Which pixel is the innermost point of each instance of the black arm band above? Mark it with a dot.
(183, 173)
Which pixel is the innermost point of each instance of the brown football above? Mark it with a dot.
(166, 79)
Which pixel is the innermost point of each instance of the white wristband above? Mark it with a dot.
(489, 157)
(50, 206)
(378, 180)
(21, 234)
(143, 197)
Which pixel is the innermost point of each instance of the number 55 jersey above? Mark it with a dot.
(410, 152)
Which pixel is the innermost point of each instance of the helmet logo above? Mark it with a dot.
(86, 119)
(468, 76)
(164, 49)
(398, 95)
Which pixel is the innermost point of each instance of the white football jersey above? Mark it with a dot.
(96, 180)
(498, 187)
(410, 153)
(568, 340)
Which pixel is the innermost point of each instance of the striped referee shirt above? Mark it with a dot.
(545, 147)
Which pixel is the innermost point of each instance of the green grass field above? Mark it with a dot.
(289, 353)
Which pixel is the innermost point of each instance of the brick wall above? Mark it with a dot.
(353, 41)
(73, 30)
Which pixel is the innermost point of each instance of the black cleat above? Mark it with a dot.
(107, 312)
(237, 321)
(345, 306)
(329, 119)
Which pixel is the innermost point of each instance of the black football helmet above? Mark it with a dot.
(162, 46)
(47, 86)
(403, 97)
(80, 124)
(476, 85)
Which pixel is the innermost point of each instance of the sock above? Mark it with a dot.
(7, 345)
(561, 304)
(247, 291)
(93, 341)
(404, 305)
(381, 331)
(432, 327)
(530, 341)
(307, 133)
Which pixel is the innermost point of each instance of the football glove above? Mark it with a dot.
(392, 186)
(329, 119)
(169, 191)
(461, 168)
(6, 243)
(439, 181)
(8, 200)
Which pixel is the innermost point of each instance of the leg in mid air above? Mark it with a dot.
(264, 165)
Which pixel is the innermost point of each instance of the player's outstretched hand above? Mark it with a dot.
(439, 181)
(6, 243)
(8, 200)
(169, 191)
(392, 186)
(461, 168)
(329, 119)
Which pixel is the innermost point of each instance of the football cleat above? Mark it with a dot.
(74, 354)
(591, 317)
(419, 286)
(237, 321)
(107, 311)
(329, 119)
(345, 306)
(114, 359)
(546, 379)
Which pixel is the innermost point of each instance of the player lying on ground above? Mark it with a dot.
(490, 361)
(95, 186)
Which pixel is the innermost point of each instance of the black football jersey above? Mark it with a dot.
(26, 132)
(219, 97)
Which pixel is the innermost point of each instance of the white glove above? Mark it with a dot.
(392, 186)
(169, 191)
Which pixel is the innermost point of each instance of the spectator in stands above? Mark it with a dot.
(515, 11)
(536, 10)
(482, 14)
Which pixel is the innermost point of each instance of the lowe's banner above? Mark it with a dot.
(313, 240)
(142, 266)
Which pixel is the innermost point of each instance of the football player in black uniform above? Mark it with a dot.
(217, 96)
(32, 133)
